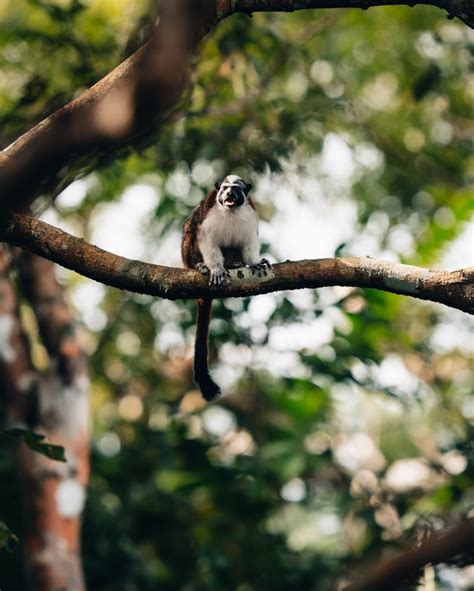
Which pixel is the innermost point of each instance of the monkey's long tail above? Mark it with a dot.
(208, 387)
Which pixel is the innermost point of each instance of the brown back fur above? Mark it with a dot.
(190, 252)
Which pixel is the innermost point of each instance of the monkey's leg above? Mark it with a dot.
(214, 261)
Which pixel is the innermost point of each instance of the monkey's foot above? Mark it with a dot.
(202, 268)
(218, 277)
(261, 268)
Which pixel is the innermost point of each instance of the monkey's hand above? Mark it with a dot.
(261, 268)
(218, 276)
(203, 269)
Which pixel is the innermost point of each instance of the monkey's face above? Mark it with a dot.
(232, 192)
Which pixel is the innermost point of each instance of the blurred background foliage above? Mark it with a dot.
(348, 419)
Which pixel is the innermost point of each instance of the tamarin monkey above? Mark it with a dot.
(220, 234)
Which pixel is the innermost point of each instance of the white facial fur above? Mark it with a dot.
(232, 184)
(233, 178)
(225, 227)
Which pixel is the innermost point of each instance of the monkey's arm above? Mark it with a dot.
(251, 256)
(214, 261)
(251, 250)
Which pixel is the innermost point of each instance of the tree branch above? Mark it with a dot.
(127, 103)
(16, 364)
(462, 9)
(391, 571)
(454, 289)
(131, 100)
(56, 324)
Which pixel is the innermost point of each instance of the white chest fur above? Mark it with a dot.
(223, 227)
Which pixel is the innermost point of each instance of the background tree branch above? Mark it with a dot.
(462, 9)
(135, 97)
(116, 111)
(455, 289)
(391, 571)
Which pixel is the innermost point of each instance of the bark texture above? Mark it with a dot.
(455, 289)
(55, 404)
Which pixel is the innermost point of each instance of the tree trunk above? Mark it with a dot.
(54, 404)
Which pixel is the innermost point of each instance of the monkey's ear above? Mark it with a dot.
(217, 185)
(248, 186)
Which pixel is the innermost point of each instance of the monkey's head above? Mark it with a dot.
(232, 192)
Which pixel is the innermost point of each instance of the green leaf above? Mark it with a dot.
(35, 442)
(8, 540)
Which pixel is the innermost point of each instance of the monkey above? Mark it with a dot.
(220, 234)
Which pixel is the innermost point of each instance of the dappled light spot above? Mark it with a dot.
(359, 451)
(159, 418)
(380, 94)
(232, 444)
(109, 444)
(131, 407)
(128, 343)
(297, 86)
(70, 498)
(192, 402)
(117, 371)
(317, 442)
(414, 139)
(393, 373)
(412, 473)
(7, 352)
(294, 490)
(73, 194)
(387, 517)
(218, 421)
(444, 218)
(454, 462)
(364, 482)
(321, 72)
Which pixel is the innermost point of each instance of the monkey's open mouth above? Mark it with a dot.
(232, 200)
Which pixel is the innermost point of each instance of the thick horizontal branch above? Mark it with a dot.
(455, 289)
